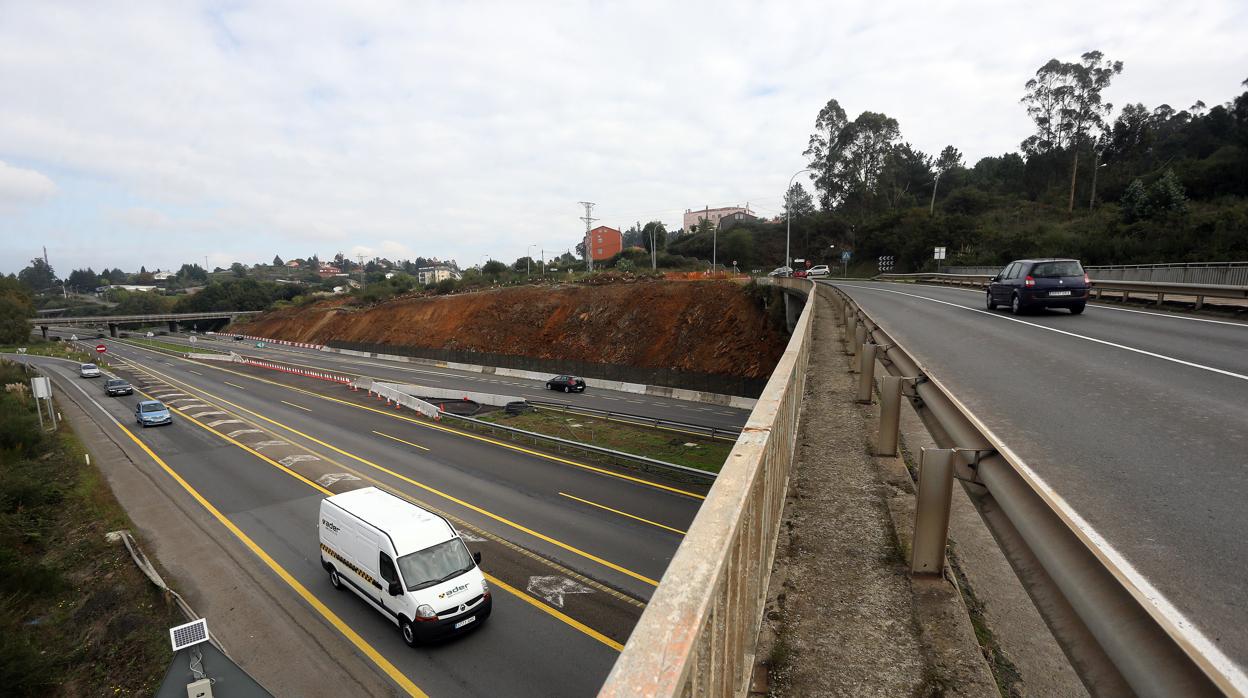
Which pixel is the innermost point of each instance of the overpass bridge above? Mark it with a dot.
(1132, 574)
(115, 321)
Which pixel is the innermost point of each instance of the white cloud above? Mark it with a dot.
(19, 185)
(457, 130)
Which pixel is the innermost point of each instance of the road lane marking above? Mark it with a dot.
(1107, 343)
(236, 385)
(409, 443)
(484, 512)
(195, 372)
(360, 643)
(506, 587)
(622, 513)
(556, 613)
(301, 407)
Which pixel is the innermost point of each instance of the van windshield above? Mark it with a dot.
(435, 564)
(1053, 270)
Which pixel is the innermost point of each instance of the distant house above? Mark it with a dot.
(127, 287)
(327, 270)
(432, 275)
(731, 220)
(714, 215)
(603, 243)
(163, 275)
(295, 263)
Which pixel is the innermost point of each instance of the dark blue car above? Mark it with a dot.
(1029, 284)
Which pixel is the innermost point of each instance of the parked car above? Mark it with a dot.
(151, 413)
(568, 384)
(1028, 284)
(118, 386)
(238, 338)
(89, 371)
(781, 271)
(404, 561)
(819, 270)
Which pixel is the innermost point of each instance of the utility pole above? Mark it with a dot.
(1096, 165)
(589, 221)
(931, 210)
(360, 257)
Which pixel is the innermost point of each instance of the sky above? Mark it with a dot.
(161, 133)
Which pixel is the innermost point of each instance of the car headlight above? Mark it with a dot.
(485, 588)
(425, 612)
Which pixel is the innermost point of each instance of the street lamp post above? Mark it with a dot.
(528, 255)
(931, 210)
(1096, 166)
(788, 215)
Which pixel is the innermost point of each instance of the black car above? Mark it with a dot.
(118, 386)
(1029, 284)
(568, 384)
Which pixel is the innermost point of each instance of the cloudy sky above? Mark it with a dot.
(160, 133)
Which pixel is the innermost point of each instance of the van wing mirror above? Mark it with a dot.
(476, 557)
(995, 278)
(395, 589)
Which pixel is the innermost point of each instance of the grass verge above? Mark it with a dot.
(175, 348)
(682, 449)
(76, 616)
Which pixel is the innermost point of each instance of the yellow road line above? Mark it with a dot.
(236, 385)
(438, 427)
(298, 407)
(557, 614)
(360, 643)
(622, 513)
(409, 443)
(404, 478)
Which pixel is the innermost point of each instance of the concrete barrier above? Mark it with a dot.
(434, 394)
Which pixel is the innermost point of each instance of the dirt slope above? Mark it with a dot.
(708, 326)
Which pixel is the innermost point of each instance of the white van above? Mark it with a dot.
(405, 561)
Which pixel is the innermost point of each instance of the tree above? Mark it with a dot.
(83, 280)
(1064, 99)
(523, 265)
(867, 143)
(948, 159)
(239, 270)
(277, 261)
(826, 152)
(798, 203)
(656, 230)
(38, 276)
(192, 272)
(15, 309)
(493, 268)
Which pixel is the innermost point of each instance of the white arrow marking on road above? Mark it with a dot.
(291, 460)
(553, 588)
(237, 432)
(328, 479)
(219, 422)
(265, 444)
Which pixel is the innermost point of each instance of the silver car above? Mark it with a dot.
(89, 371)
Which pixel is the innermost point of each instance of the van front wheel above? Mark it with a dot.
(334, 579)
(408, 632)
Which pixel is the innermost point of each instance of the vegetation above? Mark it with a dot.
(76, 616)
(661, 444)
(15, 309)
(1152, 185)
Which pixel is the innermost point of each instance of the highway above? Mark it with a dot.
(440, 377)
(263, 447)
(1138, 419)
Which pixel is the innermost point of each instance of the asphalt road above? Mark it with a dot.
(597, 398)
(1138, 419)
(264, 447)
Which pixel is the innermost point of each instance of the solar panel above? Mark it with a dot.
(192, 633)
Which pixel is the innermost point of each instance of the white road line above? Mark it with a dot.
(1099, 305)
(238, 432)
(1124, 347)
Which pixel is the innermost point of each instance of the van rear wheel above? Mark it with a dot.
(334, 579)
(408, 632)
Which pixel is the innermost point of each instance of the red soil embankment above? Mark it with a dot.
(705, 327)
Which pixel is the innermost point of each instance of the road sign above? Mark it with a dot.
(887, 262)
(21, 350)
(259, 345)
(149, 334)
(192, 339)
(100, 348)
(939, 253)
(41, 387)
(73, 338)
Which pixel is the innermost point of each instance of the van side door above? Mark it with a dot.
(397, 604)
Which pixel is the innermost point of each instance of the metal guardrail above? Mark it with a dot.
(1159, 290)
(559, 445)
(1217, 273)
(724, 433)
(1117, 637)
(698, 633)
